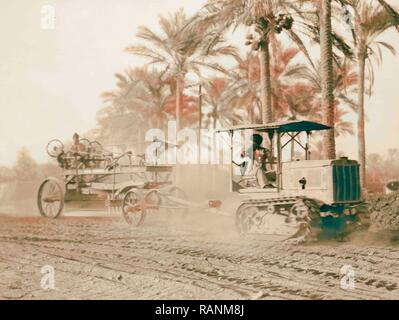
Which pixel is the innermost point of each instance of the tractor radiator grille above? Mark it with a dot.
(346, 181)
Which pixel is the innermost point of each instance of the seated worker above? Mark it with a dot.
(79, 152)
(259, 156)
(77, 147)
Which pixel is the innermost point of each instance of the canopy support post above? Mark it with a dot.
(279, 160)
(308, 133)
(231, 132)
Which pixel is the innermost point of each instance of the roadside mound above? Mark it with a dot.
(385, 213)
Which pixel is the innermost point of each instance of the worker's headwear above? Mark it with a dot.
(257, 139)
(75, 135)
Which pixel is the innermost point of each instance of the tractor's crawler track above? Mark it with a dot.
(292, 218)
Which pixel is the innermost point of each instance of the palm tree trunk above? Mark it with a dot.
(179, 92)
(360, 123)
(215, 117)
(273, 47)
(251, 113)
(326, 61)
(178, 103)
(265, 80)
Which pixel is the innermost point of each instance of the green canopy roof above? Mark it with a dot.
(283, 126)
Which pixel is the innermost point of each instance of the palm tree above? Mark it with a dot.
(371, 20)
(179, 51)
(291, 95)
(214, 96)
(288, 96)
(139, 102)
(322, 32)
(189, 107)
(244, 91)
(344, 89)
(262, 16)
(116, 116)
(326, 62)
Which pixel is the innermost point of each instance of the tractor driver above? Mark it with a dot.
(259, 156)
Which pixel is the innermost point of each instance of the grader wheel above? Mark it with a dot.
(85, 142)
(55, 148)
(50, 198)
(135, 208)
(152, 201)
(96, 148)
(132, 210)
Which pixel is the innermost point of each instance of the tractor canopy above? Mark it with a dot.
(282, 127)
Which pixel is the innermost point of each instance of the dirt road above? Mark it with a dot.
(103, 258)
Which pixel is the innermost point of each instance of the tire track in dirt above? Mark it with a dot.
(258, 285)
(107, 260)
(383, 281)
(156, 262)
(119, 267)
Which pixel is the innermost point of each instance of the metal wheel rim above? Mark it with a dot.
(132, 217)
(50, 199)
(96, 147)
(85, 142)
(154, 199)
(51, 149)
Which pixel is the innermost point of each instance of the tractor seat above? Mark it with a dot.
(251, 183)
(271, 176)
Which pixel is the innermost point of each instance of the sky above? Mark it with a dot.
(51, 78)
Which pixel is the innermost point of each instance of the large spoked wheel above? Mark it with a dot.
(132, 209)
(95, 148)
(86, 143)
(55, 148)
(152, 201)
(50, 199)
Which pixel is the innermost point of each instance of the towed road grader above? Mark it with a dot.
(94, 179)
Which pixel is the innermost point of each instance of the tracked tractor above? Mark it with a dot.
(298, 198)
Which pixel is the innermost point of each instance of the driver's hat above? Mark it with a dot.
(257, 138)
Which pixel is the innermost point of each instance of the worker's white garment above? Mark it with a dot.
(256, 171)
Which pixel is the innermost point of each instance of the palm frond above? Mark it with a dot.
(146, 52)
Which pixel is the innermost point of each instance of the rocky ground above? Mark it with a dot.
(103, 258)
(385, 213)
